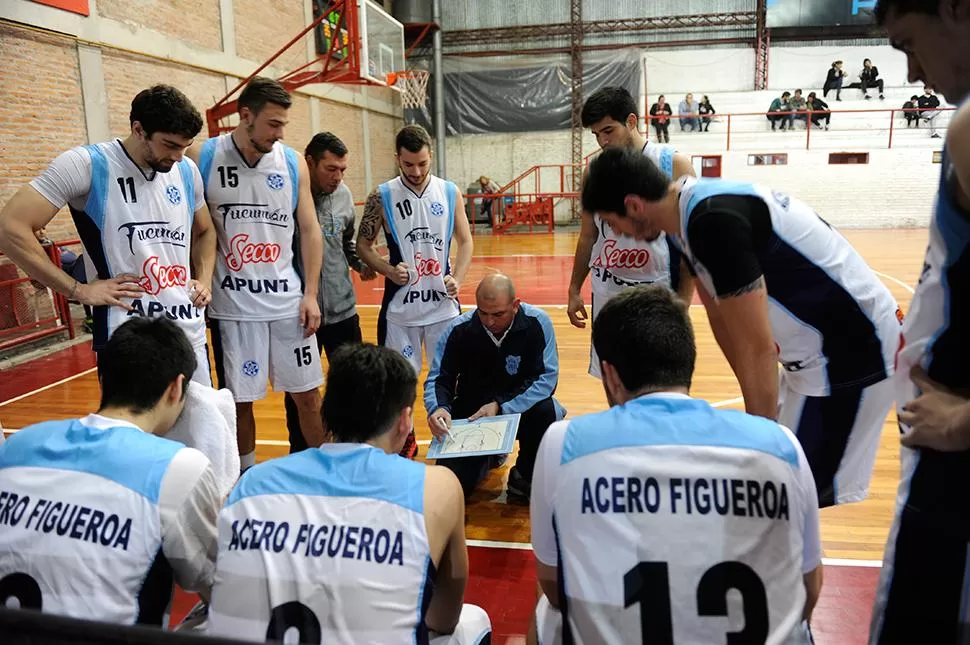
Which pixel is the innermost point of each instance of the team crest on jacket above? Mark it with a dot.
(512, 364)
(174, 195)
(437, 209)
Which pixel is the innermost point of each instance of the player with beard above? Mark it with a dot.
(148, 239)
(264, 312)
(420, 215)
(617, 261)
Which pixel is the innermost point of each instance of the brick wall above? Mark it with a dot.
(196, 22)
(345, 122)
(383, 129)
(41, 108)
(300, 130)
(263, 26)
(126, 74)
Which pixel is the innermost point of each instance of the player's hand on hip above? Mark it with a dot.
(401, 274)
(309, 316)
(451, 286)
(440, 422)
(576, 310)
(487, 410)
(199, 293)
(367, 273)
(110, 291)
(934, 416)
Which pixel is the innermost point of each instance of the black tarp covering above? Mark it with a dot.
(482, 98)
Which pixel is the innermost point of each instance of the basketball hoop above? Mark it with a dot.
(413, 86)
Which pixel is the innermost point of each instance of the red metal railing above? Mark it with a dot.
(731, 124)
(22, 332)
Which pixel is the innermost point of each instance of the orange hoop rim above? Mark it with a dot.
(392, 77)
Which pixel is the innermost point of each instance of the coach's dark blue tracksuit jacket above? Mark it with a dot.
(521, 375)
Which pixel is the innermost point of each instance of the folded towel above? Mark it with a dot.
(208, 424)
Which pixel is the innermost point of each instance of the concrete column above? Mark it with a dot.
(365, 135)
(227, 20)
(315, 122)
(93, 93)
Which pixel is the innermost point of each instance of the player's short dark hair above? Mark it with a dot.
(163, 108)
(260, 91)
(618, 172)
(645, 333)
(614, 102)
(141, 359)
(367, 388)
(324, 142)
(412, 138)
(902, 7)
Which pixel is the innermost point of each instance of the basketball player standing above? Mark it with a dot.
(264, 315)
(615, 260)
(142, 226)
(420, 214)
(923, 589)
(780, 286)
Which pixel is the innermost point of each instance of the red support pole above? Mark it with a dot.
(808, 131)
(728, 146)
(892, 113)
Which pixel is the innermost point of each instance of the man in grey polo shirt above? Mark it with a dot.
(326, 156)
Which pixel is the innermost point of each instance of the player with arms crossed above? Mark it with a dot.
(779, 285)
(618, 261)
(264, 315)
(349, 543)
(142, 226)
(664, 520)
(420, 215)
(922, 596)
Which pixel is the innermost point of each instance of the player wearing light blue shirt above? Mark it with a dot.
(348, 542)
(654, 510)
(99, 515)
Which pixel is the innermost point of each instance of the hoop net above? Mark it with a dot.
(413, 85)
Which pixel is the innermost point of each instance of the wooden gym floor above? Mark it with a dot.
(64, 385)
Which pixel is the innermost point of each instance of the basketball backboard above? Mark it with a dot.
(381, 37)
(382, 43)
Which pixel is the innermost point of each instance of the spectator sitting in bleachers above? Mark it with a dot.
(706, 110)
(661, 111)
(869, 77)
(780, 105)
(912, 115)
(833, 80)
(927, 103)
(798, 105)
(818, 110)
(688, 114)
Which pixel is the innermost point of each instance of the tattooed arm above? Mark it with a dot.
(726, 237)
(370, 225)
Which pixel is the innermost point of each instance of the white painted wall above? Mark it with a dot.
(790, 67)
(701, 71)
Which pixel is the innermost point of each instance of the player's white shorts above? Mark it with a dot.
(408, 341)
(254, 351)
(202, 375)
(596, 303)
(840, 435)
(549, 627)
(472, 629)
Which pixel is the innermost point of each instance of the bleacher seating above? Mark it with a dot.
(854, 129)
